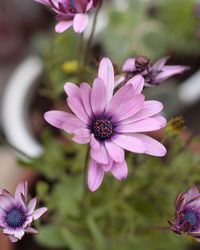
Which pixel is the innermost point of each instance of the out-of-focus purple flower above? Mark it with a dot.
(16, 214)
(187, 215)
(70, 13)
(110, 123)
(152, 73)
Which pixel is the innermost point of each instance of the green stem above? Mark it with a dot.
(89, 43)
(86, 170)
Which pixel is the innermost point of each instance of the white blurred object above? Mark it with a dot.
(189, 91)
(15, 104)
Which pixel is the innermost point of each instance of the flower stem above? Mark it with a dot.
(89, 43)
(86, 170)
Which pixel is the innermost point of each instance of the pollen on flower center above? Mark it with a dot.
(102, 129)
(15, 218)
(72, 7)
(191, 217)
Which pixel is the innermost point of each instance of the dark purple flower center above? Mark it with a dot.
(102, 129)
(15, 218)
(191, 217)
(72, 6)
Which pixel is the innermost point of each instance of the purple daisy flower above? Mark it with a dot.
(110, 123)
(70, 13)
(187, 216)
(16, 215)
(152, 73)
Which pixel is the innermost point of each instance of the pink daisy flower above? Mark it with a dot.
(70, 13)
(187, 216)
(16, 214)
(110, 123)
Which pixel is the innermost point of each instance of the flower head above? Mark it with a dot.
(187, 216)
(110, 123)
(70, 13)
(16, 214)
(152, 73)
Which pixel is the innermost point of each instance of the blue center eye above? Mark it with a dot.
(15, 218)
(72, 4)
(191, 217)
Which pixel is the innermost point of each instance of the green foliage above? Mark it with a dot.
(121, 215)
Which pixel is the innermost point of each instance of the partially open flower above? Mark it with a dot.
(70, 13)
(187, 215)
(16, 214)
(153, 73)
(110, 123)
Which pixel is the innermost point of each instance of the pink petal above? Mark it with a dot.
(138, 84)
(71, 89)
(13, 239)
(19, 233)
(9, 231)
(95, 176)
(22, 189)
(152, 146)
(124, 104)
(77, 107)
(94, 143)
(158, 65)
(4, 202)
(169, 71)
(129, 65)
(81, 5)
(120, 170)
(63, 25)
(192, 193)
(107, 167)
(32, 205)
(31, 230)
(82, 136)
(100, 155)
(162, 120)
(145, 125)
(8, 195)
(64, 120)
(106, 72)
(86, 98)
(98, 96)
(80, 22)
(39, 212)
(149, 109)
(115, 152)
(46, 2)
(129, 143)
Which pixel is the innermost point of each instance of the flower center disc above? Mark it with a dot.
(191, 217)
(102, 129)
(15, 218)
(72, 7)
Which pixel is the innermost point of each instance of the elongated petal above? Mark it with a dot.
(129, 143)
(149, 108)
(138, 84)
(39, 212)
(81, 5)
(129, 65)
(63, 25)
(98, 96)
(86, 98)
(31, 230)
(146, 125)
(152, 146)
(107, 167)
(192, 193)
(82, 136)
(80, 22)
(4, 202)
(158, 65)
(100, 155)
(32, 205)
(71, 89)
(77, 107)
(161, 119)
(94, 143)
(120, 170)
(13, 238)
(63, 120)
(19, 233)
(8, 195)
(106, 73)
(115, 152)
(9, 231)
(95, 176)
(22, 189)
(46, 2)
